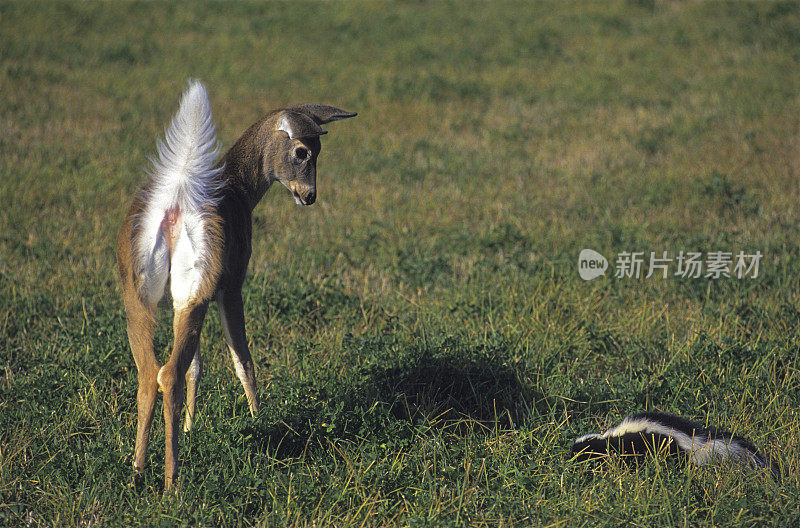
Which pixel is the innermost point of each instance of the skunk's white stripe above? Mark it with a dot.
(582, 439)
(702, 445)
(697, 447)
(184, 185)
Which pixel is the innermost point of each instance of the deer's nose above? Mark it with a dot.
(311, 197)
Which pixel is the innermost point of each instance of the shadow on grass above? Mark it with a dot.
(451, 388)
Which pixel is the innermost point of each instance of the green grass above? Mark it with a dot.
(425, 348)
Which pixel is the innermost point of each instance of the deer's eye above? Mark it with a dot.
(301, 154)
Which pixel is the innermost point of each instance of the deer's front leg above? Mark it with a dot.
(231, 311)
(187, 324)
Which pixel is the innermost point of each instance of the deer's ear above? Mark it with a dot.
(299, 125)
(322, 114)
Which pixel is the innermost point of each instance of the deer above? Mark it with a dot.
(189, 232)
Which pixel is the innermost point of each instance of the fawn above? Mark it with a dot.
(190, 227)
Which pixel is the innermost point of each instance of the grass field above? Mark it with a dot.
(425, 347)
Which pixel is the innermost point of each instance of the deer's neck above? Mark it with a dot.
(248, 165)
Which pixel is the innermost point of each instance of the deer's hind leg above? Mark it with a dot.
(187, 324)
(141, 290)
(193, 375)
(141, 326)
(192, 284)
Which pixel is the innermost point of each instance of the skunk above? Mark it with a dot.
(654, 432)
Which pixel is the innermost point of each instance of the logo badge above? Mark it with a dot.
(591, 264)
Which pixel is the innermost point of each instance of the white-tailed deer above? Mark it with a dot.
(189, 231)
